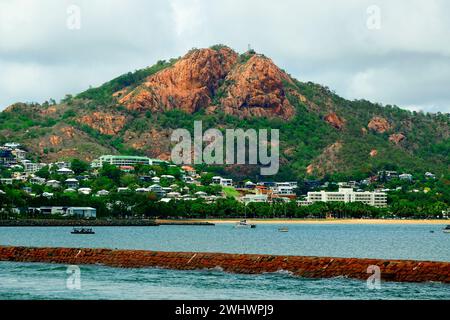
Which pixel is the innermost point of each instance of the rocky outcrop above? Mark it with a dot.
(257, 90)
(397, 138)
(105, 123)
(55, 140)
(206, 77)
(154, 142)
(308, 267)
(328, 161)
(334, 120)
(188, 85)
(379, 125)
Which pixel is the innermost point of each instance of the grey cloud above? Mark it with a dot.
(406, 62)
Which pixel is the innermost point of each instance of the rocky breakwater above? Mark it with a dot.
(309, 267)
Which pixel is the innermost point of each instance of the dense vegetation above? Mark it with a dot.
(304, 138)
(422, 198)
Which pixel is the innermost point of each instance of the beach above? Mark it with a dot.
(321, 221)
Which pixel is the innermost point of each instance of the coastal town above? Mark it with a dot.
(30, 189)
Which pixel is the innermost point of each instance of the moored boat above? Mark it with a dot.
(447, 229)
(244, 224)
(82, 231)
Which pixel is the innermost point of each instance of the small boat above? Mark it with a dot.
(82, 231)
(283, 229)
(447, 229)
(244, 224)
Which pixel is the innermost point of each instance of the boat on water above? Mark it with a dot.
(244, 225)
(283, 229)
(82, 231)
(447, 229)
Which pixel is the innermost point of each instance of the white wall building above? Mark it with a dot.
(347, 195)
(261, 198)
(84, 212)
(222, 181)
(125, 161)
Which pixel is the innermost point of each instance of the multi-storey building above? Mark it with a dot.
(123, 161)
(375, 199)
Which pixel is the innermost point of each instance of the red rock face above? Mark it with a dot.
(334, 120)
(254, 88)
(105, 123)
(373, 153)
(257, 90)
(379, 125)
(397, 138)
(188, 85)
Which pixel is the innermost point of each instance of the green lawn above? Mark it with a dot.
(230, 192)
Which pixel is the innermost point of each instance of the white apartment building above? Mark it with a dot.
(375, 199)
(123, 161)
(287, 184)
(222, 181)
(30, 167)
(263, 198)
(284, 191)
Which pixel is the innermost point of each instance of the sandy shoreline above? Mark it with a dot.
(328, 221)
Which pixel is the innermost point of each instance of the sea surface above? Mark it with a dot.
(47, 281)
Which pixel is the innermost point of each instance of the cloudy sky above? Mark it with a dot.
(392, 52)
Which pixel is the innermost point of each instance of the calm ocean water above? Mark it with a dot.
(43, 281)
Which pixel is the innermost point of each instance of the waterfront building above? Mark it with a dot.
(347, 195)
(252, 198)
(48, 210)
(83, 212)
